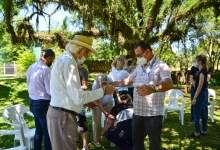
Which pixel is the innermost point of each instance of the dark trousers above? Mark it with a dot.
(121, 135)
(143, 126)
(201, 111)
(39, 108)
(192, 93)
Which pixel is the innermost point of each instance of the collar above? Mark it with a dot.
(68, 54)
(40, 62)
(150, 63)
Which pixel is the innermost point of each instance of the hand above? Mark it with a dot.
(84, 87)
(91, 105)
(117, 83)
(145, 90)
(97, 103)
(104, 83)
(109, 116)
(109, 89)
(194, 101)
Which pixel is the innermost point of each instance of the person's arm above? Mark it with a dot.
(127, 81)
(191, 80)
(73, 86)
(109, 123)
(28, 75)
(47, 81)
(164, 85)
(199, 88)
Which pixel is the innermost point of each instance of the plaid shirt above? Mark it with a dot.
(151, 74)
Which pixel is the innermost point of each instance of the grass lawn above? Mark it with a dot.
(174, 136)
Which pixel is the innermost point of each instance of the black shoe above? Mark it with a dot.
(204, 133)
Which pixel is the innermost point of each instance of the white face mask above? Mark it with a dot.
(81, 61)
(141, 61)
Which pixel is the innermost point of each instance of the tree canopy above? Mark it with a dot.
(120, 20)
(190, 25)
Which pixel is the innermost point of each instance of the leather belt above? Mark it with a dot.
(65, 110)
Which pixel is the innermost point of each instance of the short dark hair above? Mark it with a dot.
(47, 53)
(143, 45)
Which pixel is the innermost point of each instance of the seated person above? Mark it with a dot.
(118, 73)
(119, 123)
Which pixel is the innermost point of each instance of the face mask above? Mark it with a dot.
(141, 61)
(81, 61)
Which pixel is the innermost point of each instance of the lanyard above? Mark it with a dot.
(149, 68)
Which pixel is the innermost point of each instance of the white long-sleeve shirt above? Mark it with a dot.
(38, 81)
(65, 86)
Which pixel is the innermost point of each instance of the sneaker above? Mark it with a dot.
(98, 145)
(112, 145)
(85, 148)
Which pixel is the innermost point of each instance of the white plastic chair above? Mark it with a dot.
(211, 107)
(19, 132)
(176, 103)
(15, 116)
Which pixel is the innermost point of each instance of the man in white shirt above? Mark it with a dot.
(67, 97)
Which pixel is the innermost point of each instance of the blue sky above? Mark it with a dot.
(56, 19)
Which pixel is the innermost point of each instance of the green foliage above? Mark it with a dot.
(105, 50)
(215, 80)
(24, 60)
(169, 57)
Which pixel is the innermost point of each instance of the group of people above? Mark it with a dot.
(129, 98)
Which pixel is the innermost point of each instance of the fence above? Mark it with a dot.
(8, 69)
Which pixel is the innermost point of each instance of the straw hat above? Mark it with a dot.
(83, 41)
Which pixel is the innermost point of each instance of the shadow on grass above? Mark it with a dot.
(4, 91)
(176, 136)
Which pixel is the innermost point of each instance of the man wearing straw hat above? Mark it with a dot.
(67, 97)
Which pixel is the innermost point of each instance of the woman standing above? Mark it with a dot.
(200, 100)
(193, 74)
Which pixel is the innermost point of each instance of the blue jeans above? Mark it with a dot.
(39, 109)
(200, 110)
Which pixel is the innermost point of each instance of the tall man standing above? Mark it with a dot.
(67, 97)
(38, 81)
(151, 79)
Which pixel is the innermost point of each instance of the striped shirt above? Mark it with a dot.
(151, 74)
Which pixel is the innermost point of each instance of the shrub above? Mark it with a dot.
(24, 60)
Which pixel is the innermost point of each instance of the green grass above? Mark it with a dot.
(174, 136)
